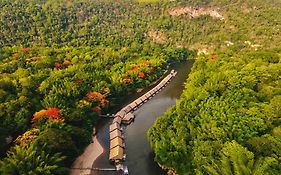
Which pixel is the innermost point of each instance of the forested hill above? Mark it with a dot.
(228, 119)
(205, 25)
(62, 62)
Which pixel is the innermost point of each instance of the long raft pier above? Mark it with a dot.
(125, 116)
(96, 169)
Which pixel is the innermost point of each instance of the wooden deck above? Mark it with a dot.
(96, 169)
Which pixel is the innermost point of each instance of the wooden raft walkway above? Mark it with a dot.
(125, 116)
(96, 169)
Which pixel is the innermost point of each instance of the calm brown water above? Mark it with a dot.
(140, 158)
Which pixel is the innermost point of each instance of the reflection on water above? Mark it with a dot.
(140, 158)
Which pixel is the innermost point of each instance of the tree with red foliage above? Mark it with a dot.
(57, 65)
(25, 49)
(53, 114)
(141, 75)
(147, 63)
(98, 98)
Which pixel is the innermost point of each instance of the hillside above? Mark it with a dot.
(227, 120)
(64, 62)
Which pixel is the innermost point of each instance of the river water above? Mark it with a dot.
(140, 158)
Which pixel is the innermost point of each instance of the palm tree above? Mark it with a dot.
(237, 160)
(21, 161)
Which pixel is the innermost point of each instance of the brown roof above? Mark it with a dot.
(116, 153)
(121, 113)
(161, 84)
(154, 90)
(117, 119)
(128, 117)
(138, 101)
(114, 126)
(133, 105)
(114, 134)
(147, 95)
(127, 108)
(117, 141)
(143, 98)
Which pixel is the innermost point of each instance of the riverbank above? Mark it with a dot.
(84, 163)
(139, 155)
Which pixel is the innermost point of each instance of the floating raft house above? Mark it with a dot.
(117, 141)
(114, 126)
(128, 118)
(117, 119)
(115, 133)
(116, 153)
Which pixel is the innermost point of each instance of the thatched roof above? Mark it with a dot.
(158, 88)
(116, 153)
(117, 119)
(138, 101)
(128, 118)
(115, 133)
(133, 105)
(127, 109)
(143, 98)
(117, 141)
(114, 126)
(147, 95)
(121, 113)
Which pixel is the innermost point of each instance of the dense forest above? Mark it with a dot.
(228, 119)
(64, 62)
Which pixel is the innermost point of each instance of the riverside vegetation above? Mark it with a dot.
(228, 119)
(64, 62)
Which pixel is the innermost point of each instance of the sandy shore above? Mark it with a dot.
(86, 160)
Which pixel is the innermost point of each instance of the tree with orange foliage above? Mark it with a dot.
(25, 49)
(147, 63)
(66, 63)
(94, 96)
(127, 80)
(51, 114)
(98, 98)
(212, 57)
(141, 75)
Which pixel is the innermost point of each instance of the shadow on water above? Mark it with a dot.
(140, 156)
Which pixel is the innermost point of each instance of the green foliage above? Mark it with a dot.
(230, 101)
(234, 160)
(53, 53)
(31, 161)
(57, 141)
(52, 56)
(237, 160)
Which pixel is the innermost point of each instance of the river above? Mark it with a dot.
(140, 158)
